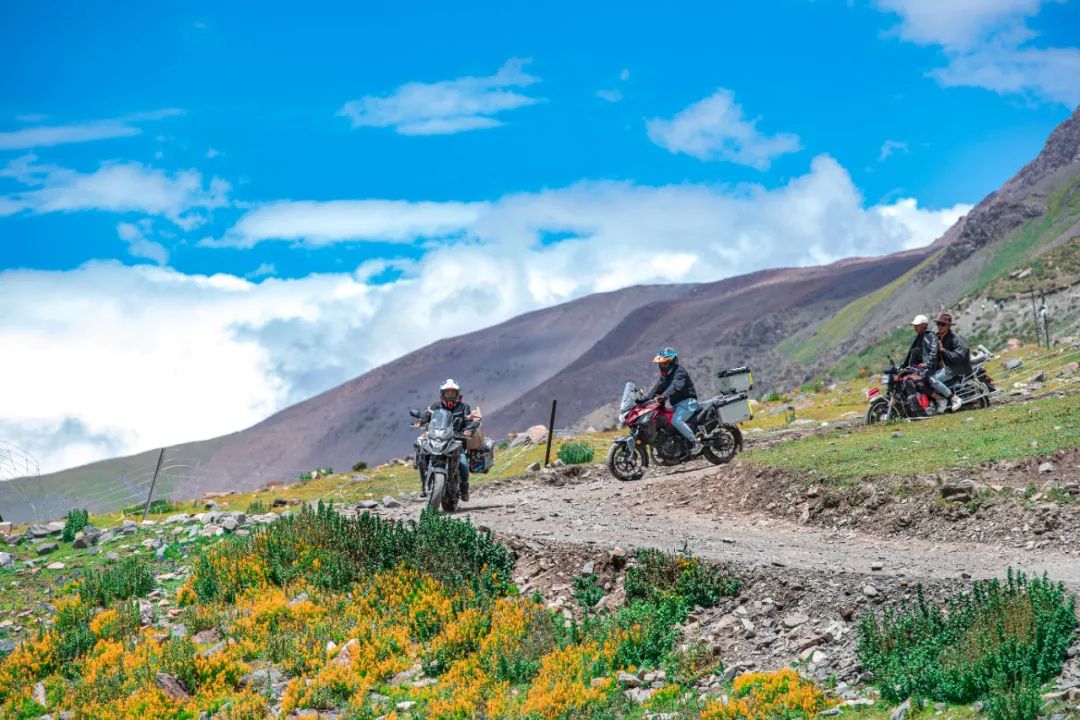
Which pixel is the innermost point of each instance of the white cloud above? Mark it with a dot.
(612, 96)
(134, 234)
(714, 129)
(625, 74)
(48, 135)
(442, 108)
(890, 148)
(159, 349)
(324, 223)
(114, 187)
(989, 45)
(264, 270)
(212, 153)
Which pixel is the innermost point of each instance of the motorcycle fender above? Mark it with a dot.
(625, 440)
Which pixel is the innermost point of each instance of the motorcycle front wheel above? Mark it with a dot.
(721, 446)
(877, 411)
(438, 490)
(627, 462)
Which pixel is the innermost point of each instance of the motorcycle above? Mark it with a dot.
(653, 439)
(905, 394)
(438, 457)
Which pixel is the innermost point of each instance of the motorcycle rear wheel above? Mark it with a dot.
(721, 446)
(627, 462)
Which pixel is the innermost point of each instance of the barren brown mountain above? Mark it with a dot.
(788, 324)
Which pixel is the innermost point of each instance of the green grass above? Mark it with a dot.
(1057, 268)
(846, 321)
(1062, 205)
(998, 433)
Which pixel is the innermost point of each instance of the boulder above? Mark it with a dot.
(1046, 467)
(207, 637)
(5, 528)
(7, 562)
(390, 502)
(171, 686)
(1014, 364)
(367, 505)
(534, 467)
(46, 548)
(229, 524)
(38, 531)
(794, 621)
(901, 711)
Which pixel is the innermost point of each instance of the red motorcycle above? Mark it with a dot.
(653, 439)
(905, 394)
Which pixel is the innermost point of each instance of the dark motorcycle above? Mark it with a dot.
(906, 394)
(438, 457)
(653, 439)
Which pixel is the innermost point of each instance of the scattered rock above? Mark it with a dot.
(347, 651)
(1039, 376)
(617, 558)
(1014, 364)
(870, 591)
(534, 467)
(172, 687)
(55, 566)
(901, 711)
(794, 621)
(39, 695)
(7, 646)
(588, 568)
(7, 562)
(207, 637)
(301, 597)
(1046, 467)
(367, 505)
(112, 557)
(390, 502)
(627, 680)
(405, 705)
(46, 548)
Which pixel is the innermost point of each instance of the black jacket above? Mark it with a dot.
(676, 386)
(460, 412)
(955, 354)
(923, 351)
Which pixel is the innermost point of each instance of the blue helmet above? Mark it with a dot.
(666, 358)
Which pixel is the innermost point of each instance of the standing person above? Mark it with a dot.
(450, 399)
(954, 359)
(676, 387)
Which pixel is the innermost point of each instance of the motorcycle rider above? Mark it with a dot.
(923, 353)
(450, 399)
(954, 359)
(675, 386)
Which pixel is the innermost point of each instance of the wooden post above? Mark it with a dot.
(1035, 317)
(149, 495)
(551, 434)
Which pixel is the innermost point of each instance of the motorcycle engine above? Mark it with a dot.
(671, 447)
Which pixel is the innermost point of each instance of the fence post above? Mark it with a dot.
(1035, 317)
(551, 434)
(146, 509)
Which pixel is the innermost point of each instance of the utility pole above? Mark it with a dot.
(160, 457)
(1044, 315)
(551, 434)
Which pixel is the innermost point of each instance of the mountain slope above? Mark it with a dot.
(789, 324)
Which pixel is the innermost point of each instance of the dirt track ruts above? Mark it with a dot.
(599, 510)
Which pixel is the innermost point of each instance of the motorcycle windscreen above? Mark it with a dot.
(627, 400)
(442, 425)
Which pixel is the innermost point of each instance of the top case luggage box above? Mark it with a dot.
(735, 380)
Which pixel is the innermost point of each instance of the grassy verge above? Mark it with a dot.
(960, 440)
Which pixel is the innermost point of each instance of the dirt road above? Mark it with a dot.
(595, 509)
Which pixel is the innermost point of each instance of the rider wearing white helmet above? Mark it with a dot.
(450, 398)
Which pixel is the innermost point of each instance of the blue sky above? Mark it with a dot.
(290, 190)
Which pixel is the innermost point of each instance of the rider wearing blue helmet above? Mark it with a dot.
(676, 387)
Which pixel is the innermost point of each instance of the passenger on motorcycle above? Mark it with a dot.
(676, 387)
(954, 360)
(923, 353)
(450, 398)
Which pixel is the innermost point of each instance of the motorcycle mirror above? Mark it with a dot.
(414, 413)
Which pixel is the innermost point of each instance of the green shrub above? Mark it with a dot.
(575, 453)
(586, 591)
(656, 574)
(991, 642)
(348, 549)
(359, 465)
(257, 507)
(157, 507)
(129, 578)
(72, 627)
(76, 521)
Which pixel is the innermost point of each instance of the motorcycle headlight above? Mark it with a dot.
(646, 418)
(885, 379)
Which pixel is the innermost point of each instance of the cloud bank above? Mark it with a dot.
(153, 357)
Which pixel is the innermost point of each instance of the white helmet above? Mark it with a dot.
(920, 320)
(450, 393)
